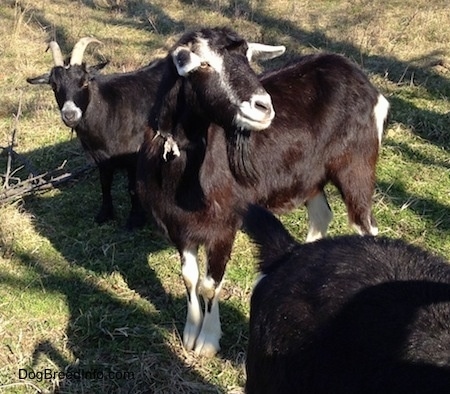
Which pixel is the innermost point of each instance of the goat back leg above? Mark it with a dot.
(319, 217)
(137, 216)
(106, 211)
(357, 189)
(218, 254)
(194, 317)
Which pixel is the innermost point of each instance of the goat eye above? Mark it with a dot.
(204, 65)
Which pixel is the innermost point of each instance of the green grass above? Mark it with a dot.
(76, 297)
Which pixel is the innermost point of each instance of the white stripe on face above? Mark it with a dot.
(190, 58)
(255, 114)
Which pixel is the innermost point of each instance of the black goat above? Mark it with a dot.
(211, 122)
(346, 315)
(109, 114)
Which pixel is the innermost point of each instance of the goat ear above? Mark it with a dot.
(95, 69)
(43, 79)
(185, 61)
(257, 51)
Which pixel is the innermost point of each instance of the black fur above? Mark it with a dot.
(346, 315)
(115, 113)
(323, 131)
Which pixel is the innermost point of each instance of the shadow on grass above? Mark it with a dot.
(121, 346)
(97, 317)
(430, 211)
(128, 326)
(428, 124)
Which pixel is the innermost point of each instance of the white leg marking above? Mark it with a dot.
(194, 316)
(373, 229)
(319, 215)
(380, 113)
(207, 343)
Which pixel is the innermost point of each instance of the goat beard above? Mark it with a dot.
(240, 157)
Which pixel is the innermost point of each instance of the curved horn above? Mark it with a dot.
(56, 53)
(79, 48)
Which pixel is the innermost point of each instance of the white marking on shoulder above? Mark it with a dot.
(380, 112)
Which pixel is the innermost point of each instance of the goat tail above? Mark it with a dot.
(270, 236)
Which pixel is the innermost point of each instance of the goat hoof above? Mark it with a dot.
(135, 221)
(206, 346)
(103, 217)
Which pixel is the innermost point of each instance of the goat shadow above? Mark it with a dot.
(130, 260)
(66, 220)
(96, 316)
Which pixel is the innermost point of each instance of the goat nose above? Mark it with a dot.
(263, 106)
(257, 113)
(70, 115)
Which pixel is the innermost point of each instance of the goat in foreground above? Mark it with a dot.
(109, 114)
(183, 172)
(216, 145)
(348, 315)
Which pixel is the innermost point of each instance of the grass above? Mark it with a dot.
(104, 308)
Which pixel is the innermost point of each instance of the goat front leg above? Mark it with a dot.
(207, 343)
(319, 216)
(106, 211)
(194, 318)
(137, 216)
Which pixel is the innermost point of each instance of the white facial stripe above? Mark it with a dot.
(255, 114)
(380, 113)
(215, 61)
(204, 54)
(207, 55)
(70, 106)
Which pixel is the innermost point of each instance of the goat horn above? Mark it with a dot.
(56, 53)
(79, 48)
